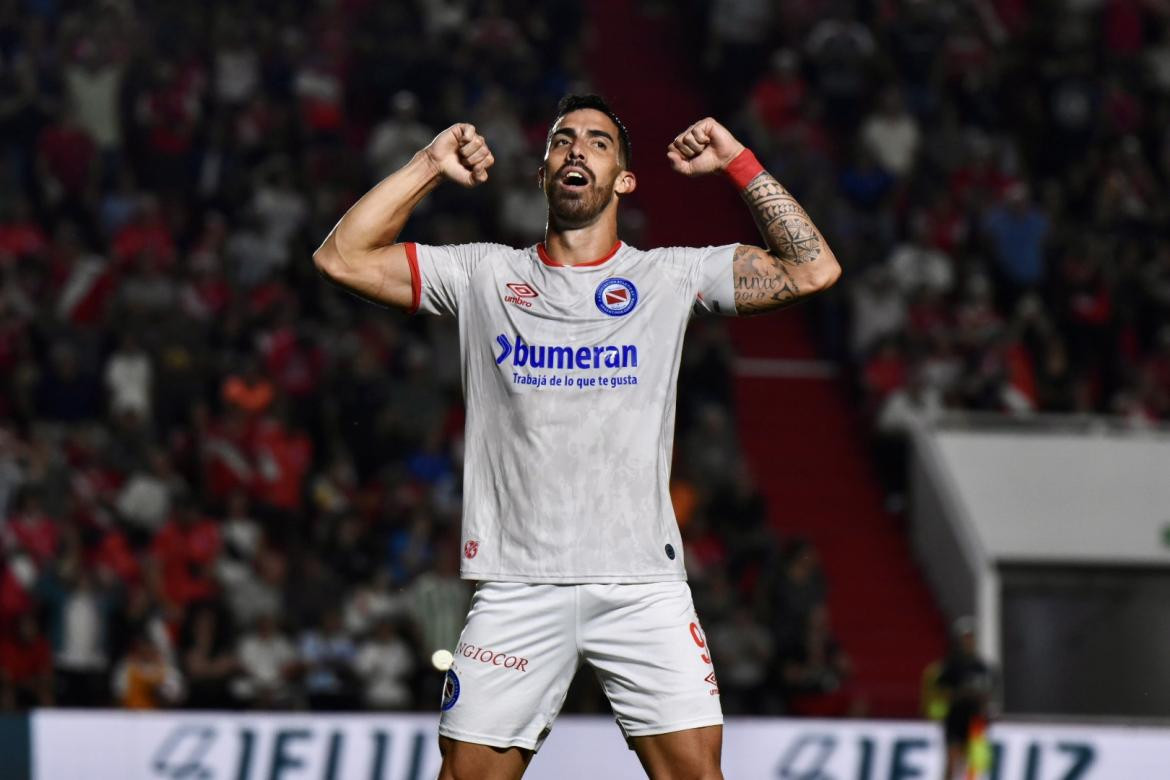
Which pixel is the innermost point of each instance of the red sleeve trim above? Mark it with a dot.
(415, 276)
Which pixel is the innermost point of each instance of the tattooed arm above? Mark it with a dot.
(797, 261)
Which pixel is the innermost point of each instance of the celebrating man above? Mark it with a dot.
(570, 352)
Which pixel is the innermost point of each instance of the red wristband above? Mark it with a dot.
(743, 168)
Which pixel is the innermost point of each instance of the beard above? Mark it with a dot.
(577, 208)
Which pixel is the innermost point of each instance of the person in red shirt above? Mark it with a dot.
(20, 234)
(778, 97)
(283, 456)
(146, 232)
(26, 667)
(66, 158)
(186, 549)
(33, 530)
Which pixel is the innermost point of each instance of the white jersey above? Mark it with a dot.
(569, 375)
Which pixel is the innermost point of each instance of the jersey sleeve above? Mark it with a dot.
(713, 279)
(440, 274)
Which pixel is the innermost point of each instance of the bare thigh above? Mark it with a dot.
(692, 754)
(471, 761)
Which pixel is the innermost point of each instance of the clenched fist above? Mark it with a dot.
(704, 147)
(461, 155)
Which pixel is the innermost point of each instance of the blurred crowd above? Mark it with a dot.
(223, 482)
(994, 175)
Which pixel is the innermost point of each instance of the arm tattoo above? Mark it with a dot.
(787, 229)
(762, 282)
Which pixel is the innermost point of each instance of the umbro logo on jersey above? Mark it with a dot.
(521, 292)
(616, 296)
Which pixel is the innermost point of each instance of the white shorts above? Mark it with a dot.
(522, 644)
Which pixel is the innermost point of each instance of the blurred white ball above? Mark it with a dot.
(442, 659)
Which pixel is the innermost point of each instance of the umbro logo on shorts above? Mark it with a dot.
(521, 293)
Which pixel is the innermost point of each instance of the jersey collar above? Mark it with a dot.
(544, 257)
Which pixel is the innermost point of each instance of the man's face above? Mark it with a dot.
(582, 168)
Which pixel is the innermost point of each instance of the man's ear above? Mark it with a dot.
(540, 177)
(626, 183)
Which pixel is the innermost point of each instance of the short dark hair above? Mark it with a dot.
(571, 103)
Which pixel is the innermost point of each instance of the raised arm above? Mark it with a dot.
(361, 252)
(797, 261)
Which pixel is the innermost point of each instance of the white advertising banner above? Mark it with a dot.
(112, 745)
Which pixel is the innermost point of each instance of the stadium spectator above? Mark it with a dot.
(80, 618)
(777, 98)
(743, 649)
(144, 502)
(185, 549)
(918, 402)
(209, 658)
(742, 519)
(842, 51)
(394, 140)
(269, 666)
(794, 587)
(918, 265)
(438, 599)
(68, 392)
(891, 134)
(815, 670)
(327, 655)
(26, 667)
(94, 81)
(66, 163)
(1018, 230)
(879, 310)
(283, 456)
(385, 662)
(145, 679)
(373, 602)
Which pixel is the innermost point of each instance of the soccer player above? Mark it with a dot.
(570, 353)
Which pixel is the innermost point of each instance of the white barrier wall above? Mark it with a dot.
(1063, 497)
(986, 498)
(245, 746)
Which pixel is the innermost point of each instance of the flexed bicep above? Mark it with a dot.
(385, 275)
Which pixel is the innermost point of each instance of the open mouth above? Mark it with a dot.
(574, 179)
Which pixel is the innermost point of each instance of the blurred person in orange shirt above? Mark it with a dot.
(145, 679)
(248, 389)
